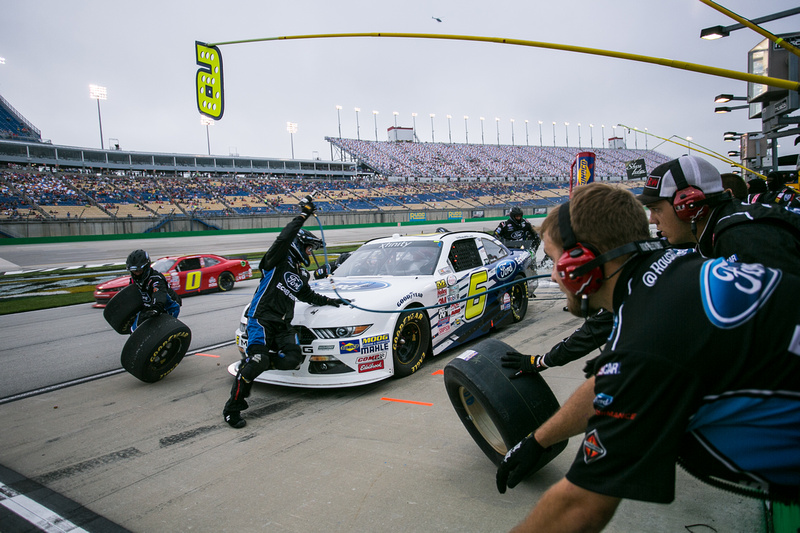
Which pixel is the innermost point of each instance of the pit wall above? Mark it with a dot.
(39, 231)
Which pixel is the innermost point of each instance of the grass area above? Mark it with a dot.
(83, 294)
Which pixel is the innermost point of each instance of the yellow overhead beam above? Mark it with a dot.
(703, 69)
(755, 27)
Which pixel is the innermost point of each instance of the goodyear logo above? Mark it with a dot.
(416, 216)
(349, 347)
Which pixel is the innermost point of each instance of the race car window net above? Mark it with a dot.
(464, 255)
(493, 251)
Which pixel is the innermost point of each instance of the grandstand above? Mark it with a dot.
(14, 126)
(47, 182)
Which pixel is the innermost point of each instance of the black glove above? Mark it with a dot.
(523, 363)
(336, 302)
(518, 463)
(149, 313)
(307, 206)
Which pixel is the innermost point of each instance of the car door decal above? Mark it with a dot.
(193, 280)
(477, 284)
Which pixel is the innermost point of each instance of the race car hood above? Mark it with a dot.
(367, 293)
(116, 283)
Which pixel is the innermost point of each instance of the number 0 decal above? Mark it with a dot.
(193, 280)
(476, 306)
(208, 89)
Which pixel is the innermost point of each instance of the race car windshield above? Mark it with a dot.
(163, 265)
(394, 258)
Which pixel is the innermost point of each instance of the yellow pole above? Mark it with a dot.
(698, 148)
(758, 29)
(703, 69)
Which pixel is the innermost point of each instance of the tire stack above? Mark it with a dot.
(156, 347)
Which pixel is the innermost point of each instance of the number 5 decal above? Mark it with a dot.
(208, 89)
(476, 306)
(193, 280)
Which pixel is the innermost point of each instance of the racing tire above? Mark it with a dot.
(122, 309)
(519, 300)
(155, 348)
(411, 342)
(226, 281)
(498, 411)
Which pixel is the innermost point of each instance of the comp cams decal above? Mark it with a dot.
(733, 293)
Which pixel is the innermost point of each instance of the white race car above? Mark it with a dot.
(411, 297)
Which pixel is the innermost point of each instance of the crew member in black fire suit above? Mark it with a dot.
(157, 296)
(271, 340)
(517, 228)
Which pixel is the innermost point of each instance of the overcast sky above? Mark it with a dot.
(143, 52)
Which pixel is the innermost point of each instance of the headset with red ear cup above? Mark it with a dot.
(689, 202)
(574, 257)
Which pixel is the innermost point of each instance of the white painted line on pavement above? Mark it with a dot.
(38, 515)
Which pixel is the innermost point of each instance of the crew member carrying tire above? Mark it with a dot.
(272, 341)
(157, 296)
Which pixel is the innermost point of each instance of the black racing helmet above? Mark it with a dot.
(138, 261)
(301, 242)
(516, 212)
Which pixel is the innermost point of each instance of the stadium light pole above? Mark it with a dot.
(482, 119)
(717, 32)
(99, 93)
(603, 132)
(635, 137)
(497, 122)
(579, 135)
(526, 134)
(291, 127)
(414, 122)
(358, 126)
(433, 135)
(554, 134)
(540, 134)
(339, 117)
(566, 132)
(645, 138)
(395, 113)
(207, 121)
(591, 136)
(512, 132)
(449, 131)
(689, 143)
(466, 129)
(375, 117)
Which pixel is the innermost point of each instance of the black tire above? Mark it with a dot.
(122, 309)
(156, 348)
(519, 300)
(496, 410)
(411, 342)
(225, 281)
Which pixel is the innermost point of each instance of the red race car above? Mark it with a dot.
(189, 274)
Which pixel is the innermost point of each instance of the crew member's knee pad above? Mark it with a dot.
(253, 365)
(289, 358)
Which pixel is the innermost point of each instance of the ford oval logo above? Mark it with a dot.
(293, 281)
(504, 269)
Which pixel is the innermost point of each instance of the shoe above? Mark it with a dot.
(234, 420)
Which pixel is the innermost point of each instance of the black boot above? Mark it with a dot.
(237, 403)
